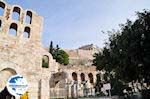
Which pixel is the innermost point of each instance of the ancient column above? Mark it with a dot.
(45, 89)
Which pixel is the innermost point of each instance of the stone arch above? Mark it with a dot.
(82, 75)
(12, 71)
(90, 75)
(45, 61)
(7, 68)
(28, 17)
(26, 33)
(16, 13)
(2, 8)
(13, 29)
(58, 80)
(61, 80)
(98, 77)
(74, 76)
(5, 74)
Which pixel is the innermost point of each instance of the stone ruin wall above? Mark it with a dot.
(82, 55)
(23, 55)
(79, 69)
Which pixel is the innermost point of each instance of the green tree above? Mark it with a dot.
(51, 49)
(127, 53)
(60, 55)
(57, 47)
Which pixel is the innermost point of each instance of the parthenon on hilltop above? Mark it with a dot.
(21, 52)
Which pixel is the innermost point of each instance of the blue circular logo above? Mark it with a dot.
(17, 85)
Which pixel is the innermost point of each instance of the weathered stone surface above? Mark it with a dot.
(23, 55)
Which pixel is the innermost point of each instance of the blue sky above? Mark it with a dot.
(73, 23)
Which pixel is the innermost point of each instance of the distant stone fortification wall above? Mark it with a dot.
(81, 56)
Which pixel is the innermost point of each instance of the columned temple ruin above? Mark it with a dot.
(21, 52)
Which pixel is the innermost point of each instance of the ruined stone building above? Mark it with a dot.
(21, 52)
(83, 55)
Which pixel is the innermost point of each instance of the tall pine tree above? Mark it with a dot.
(51, 49)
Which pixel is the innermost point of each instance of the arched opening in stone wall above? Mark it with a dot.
(13, 29)
(98, 77)
(5, 74)
(16, 13)
(28, 17)
(45, 61)
(91, 77)
(26, 33)
(74, 76)
(58, 80)
(82, 77)
(2, 7)
(57, 84)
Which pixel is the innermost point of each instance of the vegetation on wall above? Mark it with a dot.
(60, 55)
(45, 63)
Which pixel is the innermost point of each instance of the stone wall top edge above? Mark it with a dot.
(81, 67)
(15, 5)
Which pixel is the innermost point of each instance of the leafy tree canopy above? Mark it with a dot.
(127, 53)
(60, 55)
